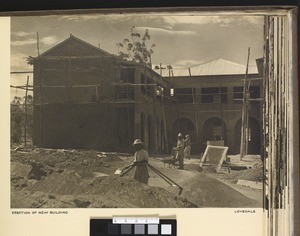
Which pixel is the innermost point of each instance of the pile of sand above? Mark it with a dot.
(60, 178)
(80, 161)
(112, 191)
(192, 167)
(19, 170)
(206, 191)
(253, 174)
(64, 183)
(115, 191)
(23, 175)
(125, 190)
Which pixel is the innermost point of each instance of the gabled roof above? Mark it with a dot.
(83, 48)
(73, 40)
(214, 67)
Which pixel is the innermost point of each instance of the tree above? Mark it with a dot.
(17, 118)
(136, 49)
(30, 60)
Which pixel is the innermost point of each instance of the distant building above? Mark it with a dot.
(85, 97)
(215, 91)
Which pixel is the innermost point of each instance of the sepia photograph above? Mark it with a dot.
(140, 110)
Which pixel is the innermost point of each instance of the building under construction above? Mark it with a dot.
(85, 97)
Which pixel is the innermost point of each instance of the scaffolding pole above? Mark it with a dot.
(244, 112)
(25, 125)
(221, 113)
(195, 106)
(40, 91)
(165, 124)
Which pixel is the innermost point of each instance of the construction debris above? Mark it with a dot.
(86, 179)
(254, 174)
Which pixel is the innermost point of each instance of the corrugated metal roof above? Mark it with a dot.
(214, 67)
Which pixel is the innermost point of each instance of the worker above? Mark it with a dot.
(141, 157)
(187, 149)
(180, 150)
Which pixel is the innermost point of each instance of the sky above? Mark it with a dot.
(181, 40)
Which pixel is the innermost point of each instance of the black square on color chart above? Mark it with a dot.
(112, 229)
(105, 227)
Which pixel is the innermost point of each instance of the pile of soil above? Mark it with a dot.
(206, 191)
(125, 190)
(85, 178)
(22, 175)
(111, 191)
(192, 167)
(18, 169)
(82, 161)
(64, 183)
(253, 174)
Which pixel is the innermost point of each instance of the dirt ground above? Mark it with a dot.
(51, 178)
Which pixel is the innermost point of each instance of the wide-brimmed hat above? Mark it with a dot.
(179, 135)
(137, 142)
(187, 136)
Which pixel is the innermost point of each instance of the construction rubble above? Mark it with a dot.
(59, 178)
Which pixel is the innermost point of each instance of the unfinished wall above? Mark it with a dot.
(77, 126)
(87, 98)
(72, 88)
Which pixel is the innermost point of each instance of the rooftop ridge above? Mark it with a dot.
(209, 61)
(75, 38)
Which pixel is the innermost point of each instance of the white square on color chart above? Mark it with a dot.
(166, 229)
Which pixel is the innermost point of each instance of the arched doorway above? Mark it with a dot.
(184, 126)
(214, 129)
(254, 138)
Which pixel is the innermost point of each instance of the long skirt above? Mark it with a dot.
(180, 157)
(187, 152)
(141, 174)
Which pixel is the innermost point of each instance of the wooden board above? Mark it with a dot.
(214, 155)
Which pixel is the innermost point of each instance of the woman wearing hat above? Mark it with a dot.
(141, 157)
(187, 149)
(180, 150)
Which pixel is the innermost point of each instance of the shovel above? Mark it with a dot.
(125, 169)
